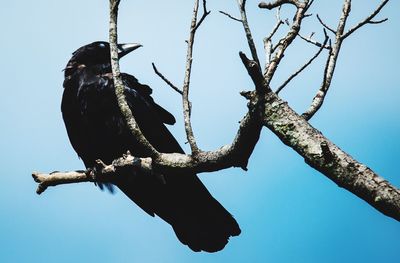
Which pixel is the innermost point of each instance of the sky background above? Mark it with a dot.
(287, 211)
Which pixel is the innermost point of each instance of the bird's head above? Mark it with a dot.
(96, 53)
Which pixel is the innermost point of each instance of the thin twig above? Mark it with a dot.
(279, 22)
(231, 17)
(309, 4)
(378, 21)
(205, 14)
(314, 42)
(268, 40)
(249, 36)
(169, 83)
(286, 40)
(367, 20)
(186, 83)
(304, 66)
(325, 25)
(119, 86)
(310, 39)
(330, 66)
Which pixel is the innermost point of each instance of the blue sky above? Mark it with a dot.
(287, 211)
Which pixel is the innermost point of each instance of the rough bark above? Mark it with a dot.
(119, 86)
(330, 160)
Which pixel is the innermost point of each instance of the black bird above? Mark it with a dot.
(97, 130)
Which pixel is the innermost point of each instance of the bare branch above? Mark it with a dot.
(325, 25)
(254, 71)
(279, 22)
(367, 20)
(304, 66)
(268, 40)
(330, 66)
(102, 173)
(314, 42)
(309, 4)
(58, 178)
(119, 86)
(268, 52)
(319, 98)
(324, 156)
(288, 39)
(249, 36)
(378, 21)
(186, 83)
(231, 17)
(278, 3)
(205, 14)
(329, 159)
(169, 83)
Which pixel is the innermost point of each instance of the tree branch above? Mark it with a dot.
(330, 66)
(325, 25)
(119, 86)
(314, 42)
(231, 17)
(304, 66)
(59, 178)
(378, 21)
(278, 3)
(268, 40)
(288, 39)
(319, 98)
(327, 158)
(169, 83)
(346, 172)
(367, 20)
(246, 27)
(185, 98)
(205, 14)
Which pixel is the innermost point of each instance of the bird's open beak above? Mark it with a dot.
(127, 48)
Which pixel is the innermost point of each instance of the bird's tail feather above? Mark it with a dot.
(198, 219)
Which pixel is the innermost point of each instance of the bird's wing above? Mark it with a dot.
(145, 91)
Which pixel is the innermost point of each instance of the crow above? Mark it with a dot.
(97, 130)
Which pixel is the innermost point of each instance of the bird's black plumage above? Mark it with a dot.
(97, 130)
